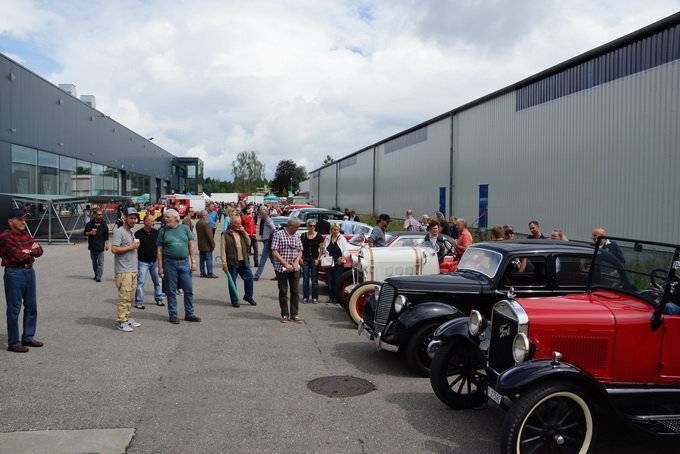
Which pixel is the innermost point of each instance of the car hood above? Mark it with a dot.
(453, 283)
(558, 312)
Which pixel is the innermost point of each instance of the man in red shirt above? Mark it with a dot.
(18, 251)
(248, 223)
(464, 237)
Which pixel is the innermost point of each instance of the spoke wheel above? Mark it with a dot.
(457, 374)
(552, 419)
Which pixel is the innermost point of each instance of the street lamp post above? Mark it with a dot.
(291, 185)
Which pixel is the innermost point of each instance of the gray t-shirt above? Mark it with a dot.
(126, 262)
(377, 236)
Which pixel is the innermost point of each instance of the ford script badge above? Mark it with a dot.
(504, 330)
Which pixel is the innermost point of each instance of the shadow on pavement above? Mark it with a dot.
(107, 323)
(80, 276)
(201, 302)
(253, 315)
(432, 418)
(366, 358)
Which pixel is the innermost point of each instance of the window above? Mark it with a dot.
(24, 168)
(83, 179)
(48, 173)
(110, 178)
(97, 179)
(406, 140)
(67, 173)
(526, 272)
(572, 271)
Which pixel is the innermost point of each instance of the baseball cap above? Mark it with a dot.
(16, 213)
(131, 211)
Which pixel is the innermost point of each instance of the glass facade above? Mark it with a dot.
(39, 172)
(137, 184)
(24, 170)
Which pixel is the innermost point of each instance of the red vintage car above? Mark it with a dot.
(560, 363)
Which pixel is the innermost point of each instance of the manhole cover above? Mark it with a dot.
(340, 386)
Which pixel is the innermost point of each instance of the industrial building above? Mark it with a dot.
(593, 141)
(54, 143)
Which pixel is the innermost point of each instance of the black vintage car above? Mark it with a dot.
(404, 313)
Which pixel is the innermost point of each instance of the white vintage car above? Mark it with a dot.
(371, 266)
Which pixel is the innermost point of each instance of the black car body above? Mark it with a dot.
(408, 309)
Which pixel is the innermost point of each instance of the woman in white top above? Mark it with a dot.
(335, 246)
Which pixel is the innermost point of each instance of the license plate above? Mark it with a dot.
(493, 395)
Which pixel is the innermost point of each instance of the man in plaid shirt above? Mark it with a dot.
(287, 250)
(19, 250)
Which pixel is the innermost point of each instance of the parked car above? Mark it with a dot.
(559, 363)
(303, 214)
(392, 239)
(371, 266)
(404, 314)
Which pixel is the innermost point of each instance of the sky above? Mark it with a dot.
(299, 79)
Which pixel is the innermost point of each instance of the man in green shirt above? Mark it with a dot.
(175, 256)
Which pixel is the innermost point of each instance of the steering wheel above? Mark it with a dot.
(657, 279)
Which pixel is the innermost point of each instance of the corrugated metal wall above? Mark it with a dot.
(327, 187)
(314, 188)
(603, 156)
(355, 182)
(410, 177)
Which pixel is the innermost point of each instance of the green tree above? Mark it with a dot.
(212, 185)
(328, 160)
(287, 174)
(248, 172)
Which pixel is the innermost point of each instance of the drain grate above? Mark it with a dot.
(340, 386)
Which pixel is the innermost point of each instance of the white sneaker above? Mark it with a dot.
(125, 326)
(305, 301)
(179, 291)
(315, 301)
(134, 323)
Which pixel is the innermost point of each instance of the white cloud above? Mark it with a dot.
(20, 18)
(303, 79)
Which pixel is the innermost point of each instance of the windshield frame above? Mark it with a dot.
(671, 274)
(489, 251)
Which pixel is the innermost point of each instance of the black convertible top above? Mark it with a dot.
(536, 246)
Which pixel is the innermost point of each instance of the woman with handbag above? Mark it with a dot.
(311, 254)
(335, 249)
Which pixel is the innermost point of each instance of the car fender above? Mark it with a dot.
(414, 316)
(453, 327)
(525, 375)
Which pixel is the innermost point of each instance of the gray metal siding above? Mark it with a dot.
(31, 115)
(604, 156)
(355, 182)
(411, 177)
(314, 188)
(327, 194)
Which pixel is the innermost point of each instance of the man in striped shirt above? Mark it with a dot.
(287, 250)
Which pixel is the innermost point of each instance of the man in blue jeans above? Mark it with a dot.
(147, 264)
(18, 251)
(267, 232)
(235, 259)
(175, 256)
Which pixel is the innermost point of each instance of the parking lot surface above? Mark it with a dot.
(236, 382)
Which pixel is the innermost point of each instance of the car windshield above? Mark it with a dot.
(482, 261)
(635, 267)
(360, 238)
(295, 214)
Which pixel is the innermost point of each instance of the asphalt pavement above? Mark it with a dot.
(236, 382)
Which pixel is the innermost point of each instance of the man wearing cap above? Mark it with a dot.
(124, 246)
(18, 251)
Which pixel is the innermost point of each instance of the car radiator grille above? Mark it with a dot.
(382, 314)
(503, 331)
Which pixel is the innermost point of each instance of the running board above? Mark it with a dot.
(657, 424)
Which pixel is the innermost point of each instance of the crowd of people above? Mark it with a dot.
(172, 253)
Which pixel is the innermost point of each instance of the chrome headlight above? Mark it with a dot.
(520, 347)
(399, 303)
(475, 323)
